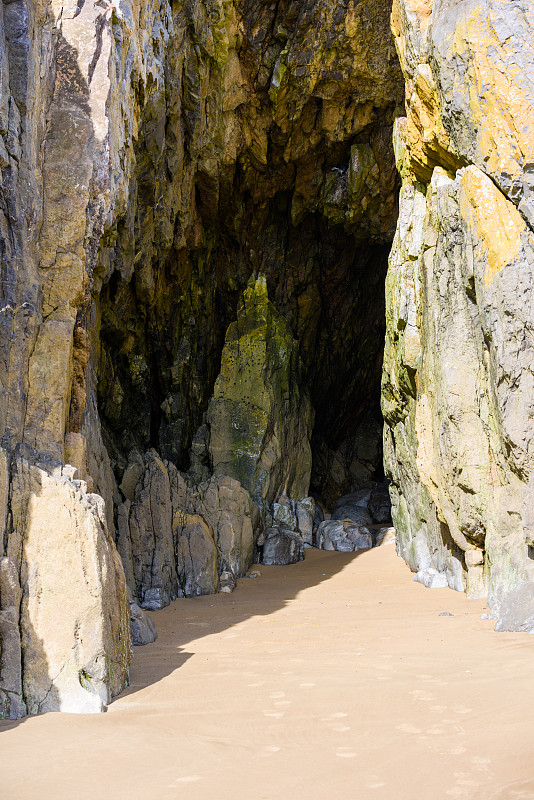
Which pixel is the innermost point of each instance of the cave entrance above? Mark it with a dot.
(160, 359)
(271, 158)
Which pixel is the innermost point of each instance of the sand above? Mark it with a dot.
(333, 678)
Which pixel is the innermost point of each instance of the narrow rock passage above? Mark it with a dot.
(333, 678)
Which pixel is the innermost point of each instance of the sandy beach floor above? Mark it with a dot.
(333, 678)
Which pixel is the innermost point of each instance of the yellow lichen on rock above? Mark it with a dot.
(501, 110)
(494, 221)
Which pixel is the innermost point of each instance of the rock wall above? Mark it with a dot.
(457, 384)
(154, 159)
(65, 641)
(260, 415)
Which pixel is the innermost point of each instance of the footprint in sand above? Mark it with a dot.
(480, 762)
(269, 750)
(406, 727)
(465, 779)
(420, 694)
(518, 790)
(345, 752)
(459, 793)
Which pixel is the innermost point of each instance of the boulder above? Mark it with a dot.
(142, 626)
(196, 557)
(385, 536)
(305, 512)
(343, 535)
(379, 505)
(227, 582)
(282, 546)
(74, 617)
(431, 578)
(228, 508)
(354, 508)
(284, 513)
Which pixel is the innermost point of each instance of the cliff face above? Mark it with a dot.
(154, 159)
(196, 209)
(457, 386)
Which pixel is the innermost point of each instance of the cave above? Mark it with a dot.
(202, 347)
(157, 372)
(304, 193)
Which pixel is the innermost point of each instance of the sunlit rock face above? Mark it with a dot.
(197, 205)
(457, 392)
(156, 161)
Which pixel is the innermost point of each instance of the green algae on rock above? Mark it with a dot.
(260, 415)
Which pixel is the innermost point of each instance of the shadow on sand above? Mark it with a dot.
(188, 620)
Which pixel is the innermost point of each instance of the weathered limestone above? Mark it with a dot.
(176, 539)
(458, 380)
(74, 618)
(281, 546)
(342, 535)
(154, 156)
(260, 416)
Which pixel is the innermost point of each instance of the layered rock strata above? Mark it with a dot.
(457, 387)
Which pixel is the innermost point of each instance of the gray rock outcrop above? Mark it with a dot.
(176, 539)
(281, 546)
(142, 626)
(74, 622)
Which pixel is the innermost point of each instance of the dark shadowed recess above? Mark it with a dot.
(313, 209)
(159, 361)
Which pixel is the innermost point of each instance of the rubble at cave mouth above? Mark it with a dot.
(292, 412)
